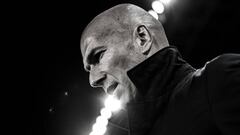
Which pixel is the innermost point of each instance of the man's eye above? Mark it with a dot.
(98, 56)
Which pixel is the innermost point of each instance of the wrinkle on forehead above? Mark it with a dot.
(106, 22)
(121, 17)
(85, 45)
(99, 30)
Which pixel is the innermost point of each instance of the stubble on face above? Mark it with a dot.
(120, 56)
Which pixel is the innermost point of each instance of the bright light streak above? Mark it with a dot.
(97, 126)
(100, 127)
(99, 131)
(153, 13)
(165, 1)
(106, 113)
(93, 133)
(112, 103)
(102, 121)
(158, 6)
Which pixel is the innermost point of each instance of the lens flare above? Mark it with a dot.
(153, 13)
(112, 103)
(99, 131)
(165, 1)
(158, 6)
(106, 113)
(100, 127)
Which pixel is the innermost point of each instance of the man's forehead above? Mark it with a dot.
(87, 45)
(98, 37)
(95, 29)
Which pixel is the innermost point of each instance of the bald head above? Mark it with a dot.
(114, 42)
(123, 20)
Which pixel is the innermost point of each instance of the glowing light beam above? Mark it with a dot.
(100, 126)
(166, 2)
(153, 13)
(112, 103)
(158, 6)
(106, 113)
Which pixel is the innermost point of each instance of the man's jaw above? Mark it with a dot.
(111, 88)
(117, 91)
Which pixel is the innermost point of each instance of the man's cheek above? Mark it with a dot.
(106, 61)
(121, 62)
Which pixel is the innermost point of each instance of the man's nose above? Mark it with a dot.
(96, 79)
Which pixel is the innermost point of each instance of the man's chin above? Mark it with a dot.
(124, 99)
(122, 95)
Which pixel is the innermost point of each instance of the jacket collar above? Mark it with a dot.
(159, 74)
(155, 79)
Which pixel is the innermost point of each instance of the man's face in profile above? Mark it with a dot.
(107, 60)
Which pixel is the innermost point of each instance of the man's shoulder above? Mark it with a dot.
(223, 91)
(223, 74)
(219, 66)
(224, 61)
(220, 73)
(222, 64)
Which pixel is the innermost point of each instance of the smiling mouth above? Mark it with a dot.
(112, 88)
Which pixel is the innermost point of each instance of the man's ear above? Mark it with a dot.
(143, 38)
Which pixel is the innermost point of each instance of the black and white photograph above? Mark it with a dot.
(130, 67)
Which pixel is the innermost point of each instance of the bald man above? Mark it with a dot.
(126, 52)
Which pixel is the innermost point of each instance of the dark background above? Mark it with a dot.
(201, 29)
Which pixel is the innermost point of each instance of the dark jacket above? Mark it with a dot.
(173, 98)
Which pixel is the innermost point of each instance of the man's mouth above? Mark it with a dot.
(112, 88)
